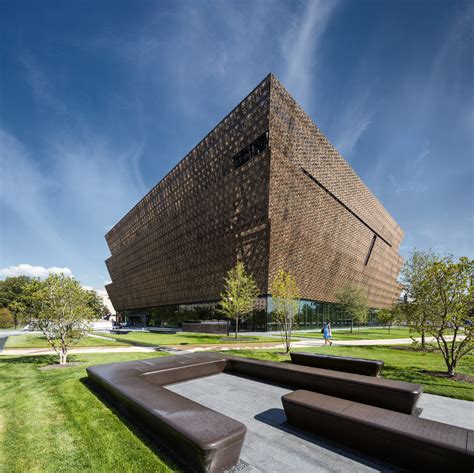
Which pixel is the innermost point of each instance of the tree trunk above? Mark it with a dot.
(63, 357)
(236, 327)
(422, 339)
(352, 324)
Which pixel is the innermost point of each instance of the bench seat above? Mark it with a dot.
(395, 437)
(207, 440)
(395, 395)
(338, 363)
(202, 438)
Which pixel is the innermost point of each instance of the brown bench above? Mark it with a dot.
(202, 438)
(338, 363)
(207, 440)
(398, 438)
(395, 395)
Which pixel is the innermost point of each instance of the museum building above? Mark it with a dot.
(266, 187)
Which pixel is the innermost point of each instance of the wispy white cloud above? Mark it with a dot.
(25, 191)
(412, 182)
(353, 120)
(87, 184)
(99, 181)
(300, 48)
(32, 271)
(41, 85)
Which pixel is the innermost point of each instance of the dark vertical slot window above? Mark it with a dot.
(370, 249)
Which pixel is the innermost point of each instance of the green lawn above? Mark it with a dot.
(362, 334)
(39, 341)
(50, 421)
(400, 364)
(181, 338)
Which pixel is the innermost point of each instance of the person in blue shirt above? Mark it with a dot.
(327, 333)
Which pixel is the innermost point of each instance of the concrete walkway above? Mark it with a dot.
(197, 348)
(302, 343)
(76, 351)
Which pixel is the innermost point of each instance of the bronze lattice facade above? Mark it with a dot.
(265, 186)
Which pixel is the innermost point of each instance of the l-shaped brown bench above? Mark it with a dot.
(207, 440)
(338, 363)
(402, 439)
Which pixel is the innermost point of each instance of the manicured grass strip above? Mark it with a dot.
(362, 334)
(400, 364)
(38, 341)
(182, 338)
(52, 422)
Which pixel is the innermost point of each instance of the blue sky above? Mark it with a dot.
(99, 100)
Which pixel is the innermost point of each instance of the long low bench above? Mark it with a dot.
(395, 395)
(338, 363)
(207, 440)
(204, 439)
(398, 438)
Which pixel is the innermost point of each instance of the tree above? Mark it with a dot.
(389, 315)
(97, 304)
(448, 293)
(285, 295)
(353, 302)
(17, 308)
(61, 311)
(238, 297)
(413, 275)
(12, 289)
(6, 319)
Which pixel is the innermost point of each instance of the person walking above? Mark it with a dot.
(327, 333)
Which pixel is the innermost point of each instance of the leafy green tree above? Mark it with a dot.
(12, 289)
(238, 297)
(413, 275)
(448, 293)
(17, 308)
(97, 304)
(6, 319)
(61, 310)
(285, 296)
(389, 316)
(353, 302)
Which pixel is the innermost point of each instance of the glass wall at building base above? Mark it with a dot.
(311, 315)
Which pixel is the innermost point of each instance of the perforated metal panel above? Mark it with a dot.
(282, 199)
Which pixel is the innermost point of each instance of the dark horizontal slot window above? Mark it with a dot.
(253, 149)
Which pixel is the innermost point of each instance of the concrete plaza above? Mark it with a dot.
(271, 445)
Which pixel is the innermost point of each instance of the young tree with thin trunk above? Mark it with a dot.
(413, 274)
(353, 302)
(238, 298)
(61, 310)
(389, 316)
(285, 296)
(447, 293)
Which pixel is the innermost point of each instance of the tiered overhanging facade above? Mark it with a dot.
(265, 187)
